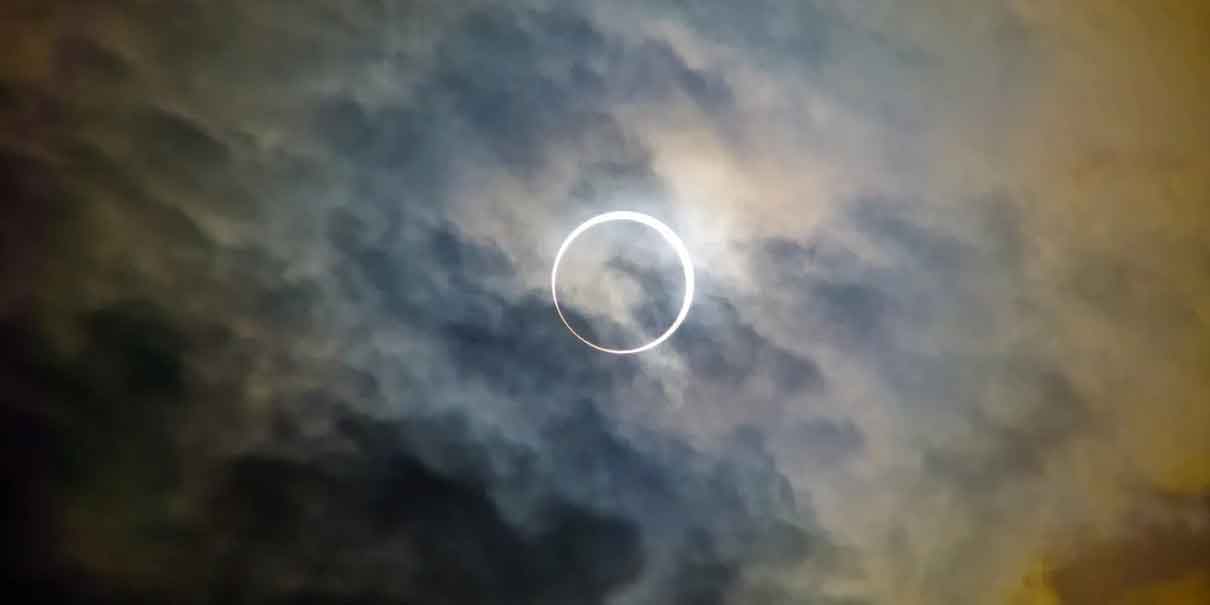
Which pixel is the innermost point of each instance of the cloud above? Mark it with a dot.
(1149, 555)
(276, 311)
(382, 524)
(828, 441)
(393, 510)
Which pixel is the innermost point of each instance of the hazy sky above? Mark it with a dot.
(276, 325)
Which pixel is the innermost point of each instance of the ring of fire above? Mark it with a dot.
(677, 245)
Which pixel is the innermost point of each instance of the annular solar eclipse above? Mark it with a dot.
(669, 236)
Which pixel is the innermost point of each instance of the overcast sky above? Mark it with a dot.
(276, 326)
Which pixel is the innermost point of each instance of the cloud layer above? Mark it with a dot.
(277, 327)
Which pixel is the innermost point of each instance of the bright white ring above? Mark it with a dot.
(643, 219)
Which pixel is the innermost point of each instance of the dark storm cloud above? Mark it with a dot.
(408, 514)
(376, 524)
(91, 426)
(386, 525)
(31, 228)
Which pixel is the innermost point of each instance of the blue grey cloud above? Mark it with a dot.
(275, 321)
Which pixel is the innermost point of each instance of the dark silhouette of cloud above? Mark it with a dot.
(383, 522)
(409, 514)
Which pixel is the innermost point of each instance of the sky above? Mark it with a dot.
(276, 325)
